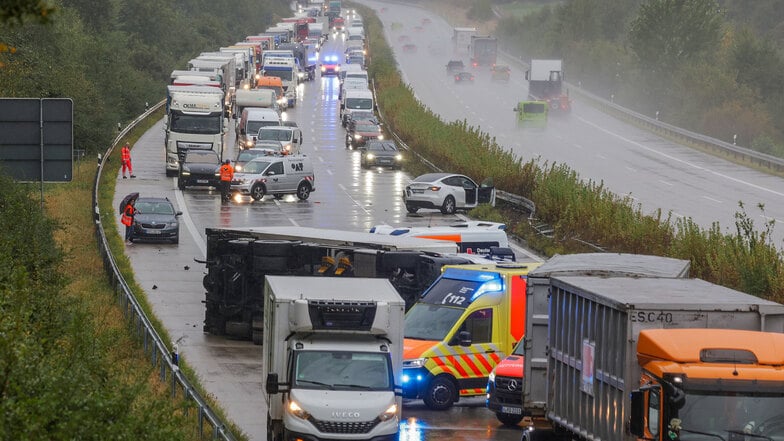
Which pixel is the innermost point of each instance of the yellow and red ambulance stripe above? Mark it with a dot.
(464, 364)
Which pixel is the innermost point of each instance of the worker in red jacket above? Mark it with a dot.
(126, 161)
(127, 220)
(226, 175)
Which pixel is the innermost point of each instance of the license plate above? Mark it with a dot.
(201, 181)
(512, 410)
(154, 232)
(418, 191)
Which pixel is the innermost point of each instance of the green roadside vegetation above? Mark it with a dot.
(580, 212)
(70, 365)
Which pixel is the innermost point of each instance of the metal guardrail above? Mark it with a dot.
(152, 344)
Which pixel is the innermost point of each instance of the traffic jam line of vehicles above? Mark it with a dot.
(617, 346)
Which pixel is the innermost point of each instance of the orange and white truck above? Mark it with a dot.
(473, 237)
(653, 358)
(460, 329)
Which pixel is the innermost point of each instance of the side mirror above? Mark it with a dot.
(272, 385)
(465, 338)
(637, 418)
(179, 213)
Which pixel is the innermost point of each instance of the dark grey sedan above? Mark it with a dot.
(199, 167)
(155, 219)
(381, 154)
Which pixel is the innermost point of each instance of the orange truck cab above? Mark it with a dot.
(276, 84)
(463, 326)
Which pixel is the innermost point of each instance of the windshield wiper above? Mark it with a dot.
(751, 435)
(317, 383)
(699, 432)
(355, 386)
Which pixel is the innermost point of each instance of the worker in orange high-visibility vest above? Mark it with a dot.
(226, 175)
(126, 161)
(127, 220)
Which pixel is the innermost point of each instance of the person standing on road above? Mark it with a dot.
(127, 220)
(126, 161)
(226, 175)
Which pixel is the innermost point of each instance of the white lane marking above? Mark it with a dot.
(600, 156)
(352, 199)
(186, 218)
(321, 159)
(578, 146)
(712, 199)
(633, 170)
(669, 184)
(687, 163)
(329, 172)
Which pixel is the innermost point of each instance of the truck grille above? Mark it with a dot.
(509, 390)
(344, 427)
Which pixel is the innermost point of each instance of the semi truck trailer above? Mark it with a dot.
(629, 358)
(503, 388)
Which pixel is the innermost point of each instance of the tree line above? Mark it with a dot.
(114, 57)
(713, 67)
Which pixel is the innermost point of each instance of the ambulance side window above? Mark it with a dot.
(480, 325)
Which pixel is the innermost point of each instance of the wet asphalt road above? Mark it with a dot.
(346, 197)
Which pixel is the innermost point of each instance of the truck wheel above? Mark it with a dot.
(274, 247)
(257, 192)
(303, 191)
(441, 394)
(449, 205)
(508, 420)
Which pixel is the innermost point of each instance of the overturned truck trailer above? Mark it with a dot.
(238, 259)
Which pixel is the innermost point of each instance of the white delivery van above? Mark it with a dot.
(353, 100)
(289, 137)
(251, 120)
(275, 175)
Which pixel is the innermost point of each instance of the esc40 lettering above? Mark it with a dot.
(650, 317)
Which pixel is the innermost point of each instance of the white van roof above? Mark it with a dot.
(261, 114)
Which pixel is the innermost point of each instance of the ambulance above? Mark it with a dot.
(460, 329)
(473, 237)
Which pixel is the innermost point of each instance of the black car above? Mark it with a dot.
(381, 154)
(199, 167)
(464, 77)
(454, 66)
(155, 219)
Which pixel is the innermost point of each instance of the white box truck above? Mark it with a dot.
(333, 350)
(195, 119)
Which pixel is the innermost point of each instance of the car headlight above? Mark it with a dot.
(237, 168)
(173, 224)
(370, 156)
(250, 143)
(380, 136)
(414, 363)
(287, 147)
(186, 172)
(297, 411)
(388, 414)
(398, 157)
(357, 136)
(323, 69)
(337, 68)
(491, 377)
(301, 74)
